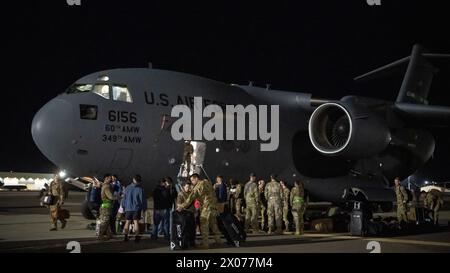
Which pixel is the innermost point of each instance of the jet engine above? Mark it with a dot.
(348, 130)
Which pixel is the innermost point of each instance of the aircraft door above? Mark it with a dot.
(196, 159)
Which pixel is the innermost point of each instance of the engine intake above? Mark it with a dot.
(347, 129)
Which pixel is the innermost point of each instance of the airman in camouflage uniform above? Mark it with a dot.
(204, 192)
(251, 194)
(402, 199)
(433, 202)
(106, 209)
(285, 203)
(183, 196)
(56, 190)
(298, 205)
(237, 196)
(274, 197)
(262, 203)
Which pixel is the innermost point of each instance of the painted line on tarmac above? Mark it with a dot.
(411, 242)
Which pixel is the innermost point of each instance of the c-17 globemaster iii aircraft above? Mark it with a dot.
(119, 121)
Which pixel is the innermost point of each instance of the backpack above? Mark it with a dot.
(95, 195)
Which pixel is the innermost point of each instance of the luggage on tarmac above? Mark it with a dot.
(63, 214)
(232, 229)
(358, 225)
(48, 200)
(419, 215)
(323, 225)
(182, 230)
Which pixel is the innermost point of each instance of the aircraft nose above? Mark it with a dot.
(52, 132)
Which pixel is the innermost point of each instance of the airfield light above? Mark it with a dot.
(62, 174)
(217, 150)
(426, 182)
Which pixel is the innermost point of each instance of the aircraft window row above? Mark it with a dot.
(114, 92)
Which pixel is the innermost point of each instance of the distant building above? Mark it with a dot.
(25, 181)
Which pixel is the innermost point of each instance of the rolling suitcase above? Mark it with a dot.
(182, 230)
(357, 223)
(232, 229)
(419, 215)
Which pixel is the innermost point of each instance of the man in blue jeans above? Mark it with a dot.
(133, 203)
(162, 204)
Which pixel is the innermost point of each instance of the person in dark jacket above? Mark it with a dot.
(162, 205)
(133, 203)
(172, 191)
(221, 193)
(94, 198)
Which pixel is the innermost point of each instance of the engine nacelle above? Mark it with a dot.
(348, 130)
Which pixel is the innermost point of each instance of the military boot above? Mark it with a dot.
(103, 232)
(204, 245)
(137, 238)
(302, 230)
(297, 231)
(218, 244)
(270, 232)
(217, 240)
(256, 230)
(279, 231)
(63, 224)
(53, 228)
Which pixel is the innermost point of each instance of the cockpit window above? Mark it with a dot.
(121, 93)
(79, 88)
(116, 92)
(102, 90)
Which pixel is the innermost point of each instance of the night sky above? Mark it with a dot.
(306, 46)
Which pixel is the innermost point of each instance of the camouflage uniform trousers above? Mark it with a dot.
(435, 210)
(285, 216)
(263, 210)
(238, 207)
(401, 213)
(251, 216)
(208, 220)
(297, 213)
(274, 211)
(54, 209)
(105, 216)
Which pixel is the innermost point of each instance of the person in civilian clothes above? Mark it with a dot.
(134, 203)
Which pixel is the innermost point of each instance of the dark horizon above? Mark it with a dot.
(306, 47)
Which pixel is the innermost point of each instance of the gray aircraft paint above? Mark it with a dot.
(77, 146)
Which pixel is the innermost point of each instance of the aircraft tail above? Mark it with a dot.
(412, 97)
